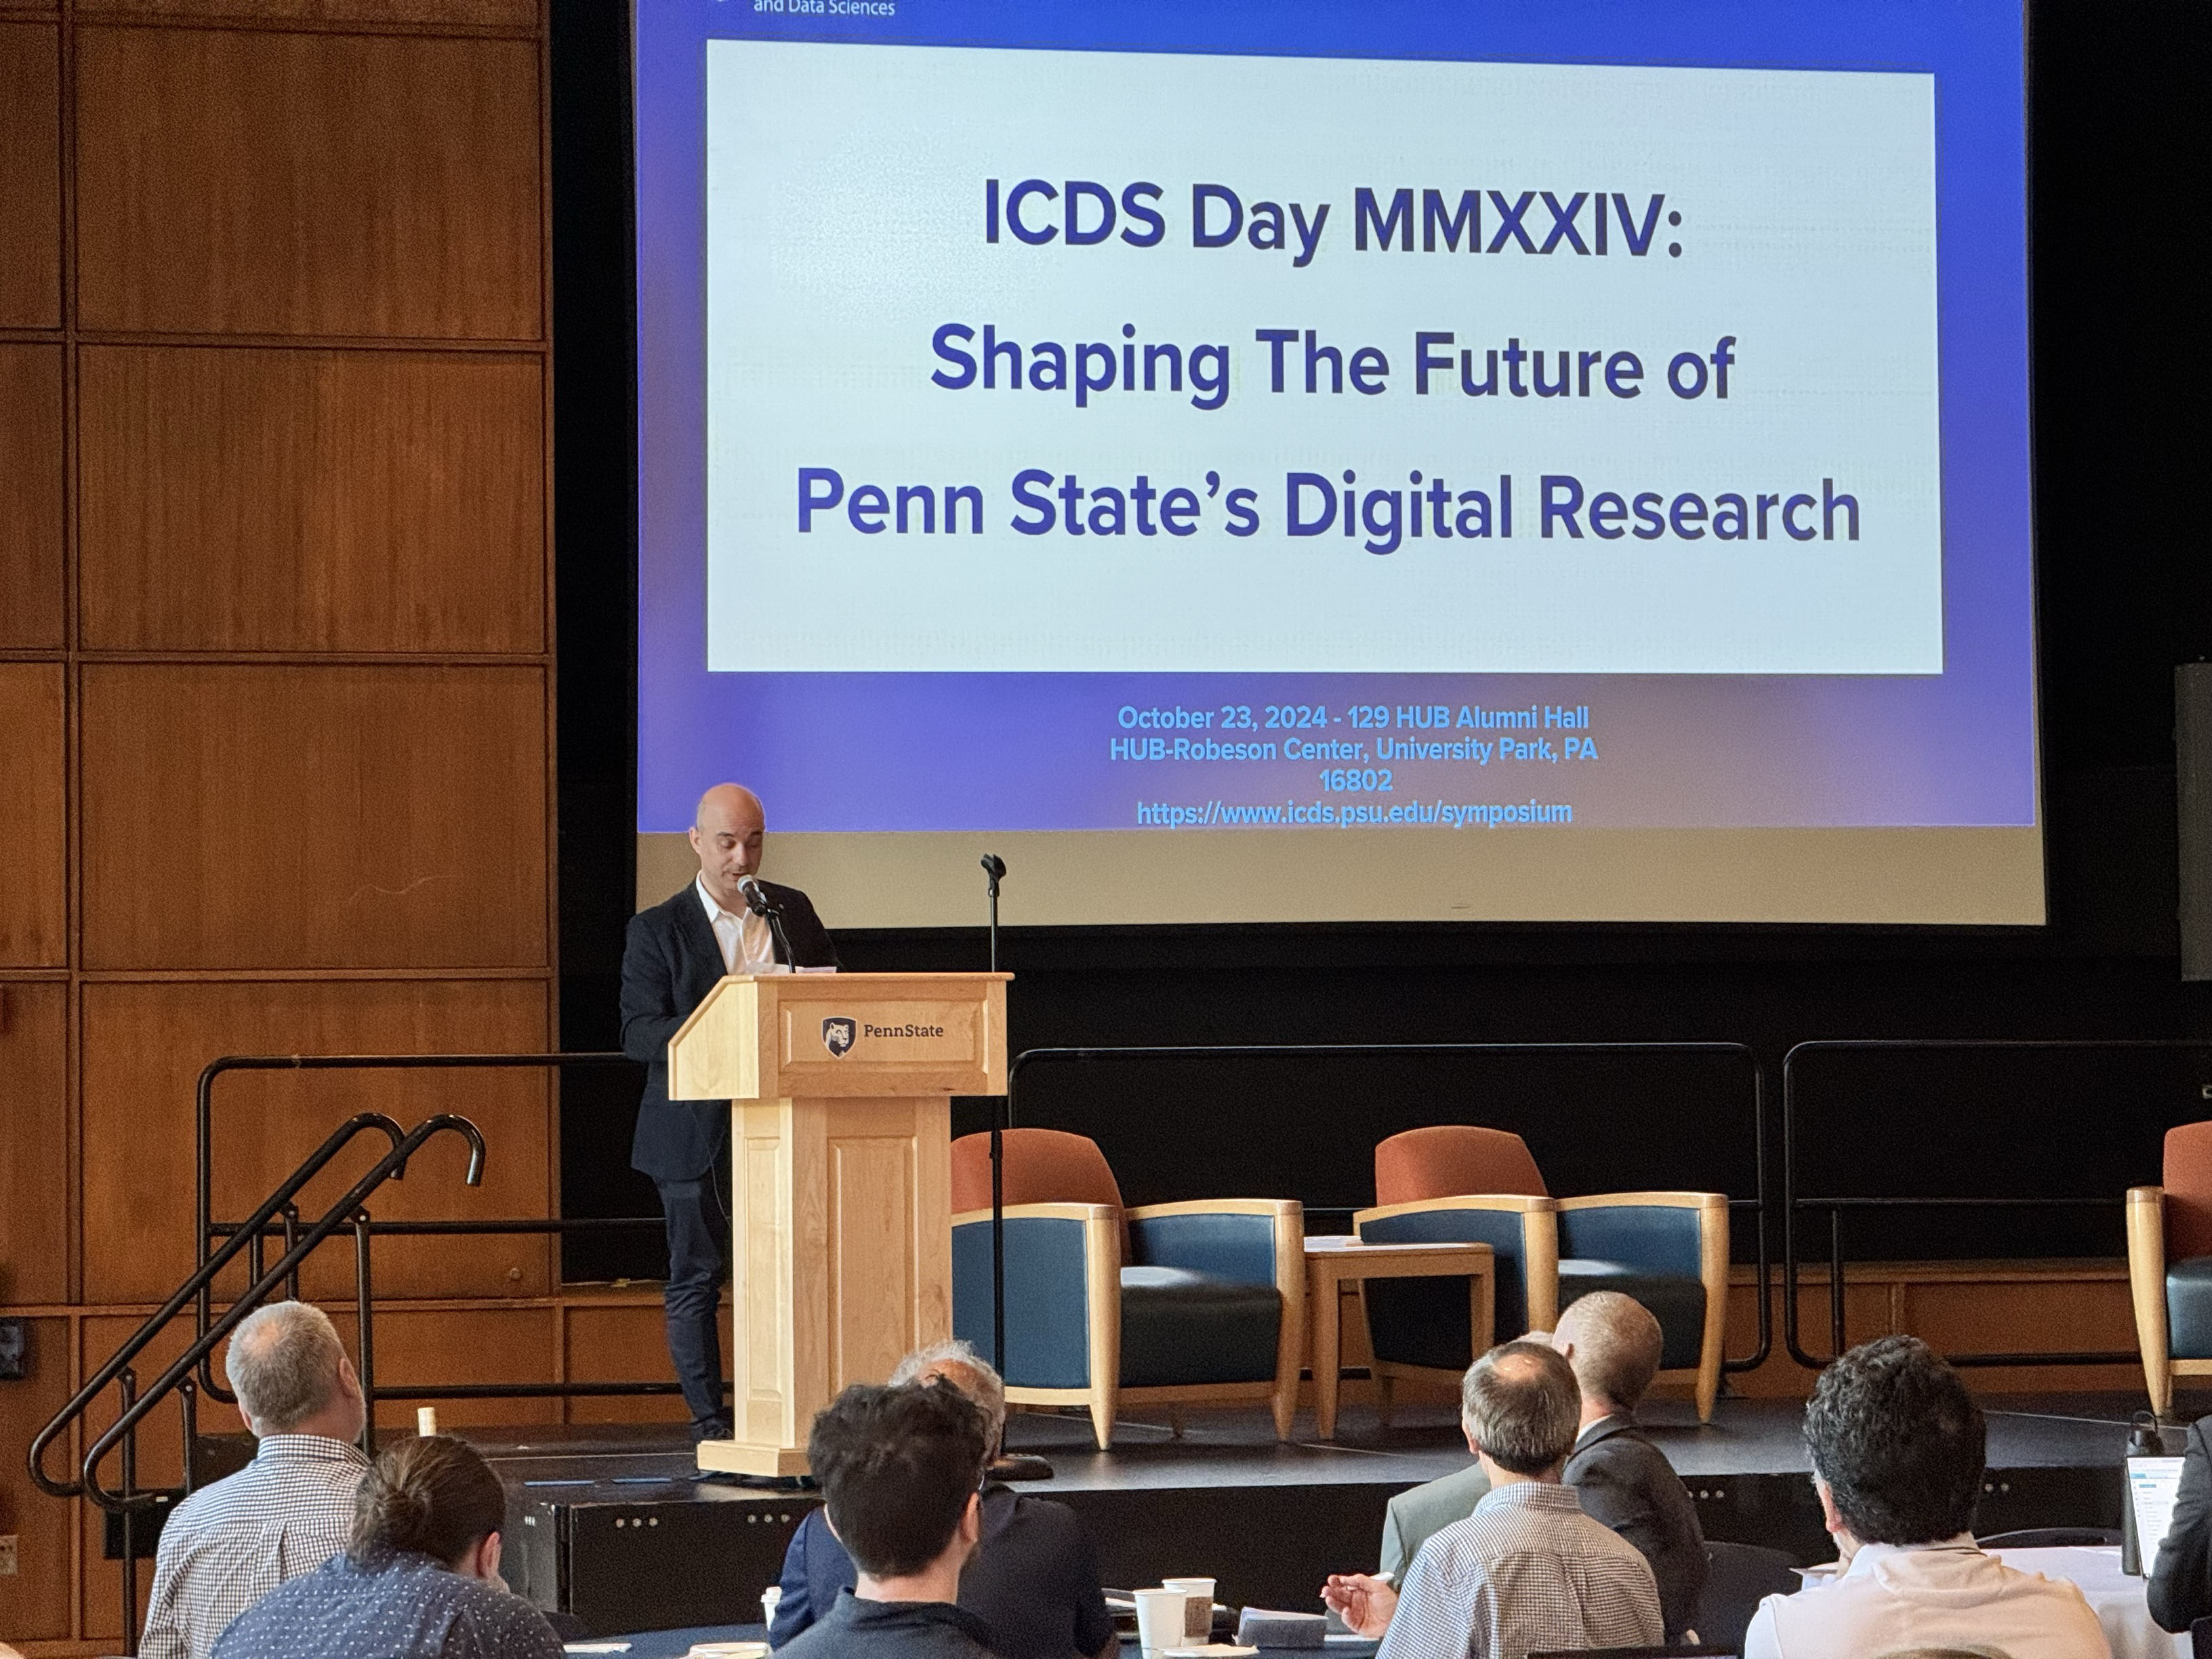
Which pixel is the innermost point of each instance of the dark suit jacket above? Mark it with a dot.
(1627, 1482)
(2181, 1578)
(670, 961)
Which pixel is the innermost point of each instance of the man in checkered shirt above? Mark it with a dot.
(1527, 1572)
(229, 1544)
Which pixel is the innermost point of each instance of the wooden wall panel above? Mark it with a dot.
(31, 462)
(312, 500)
(462, 1344)
(161, 1461)
(30, 176)
(145, 1044)
(309, 184)
(35, 1602)
(624, 1341)
(481, 14)
(250, 816)
(33, 816)
(34, 1210)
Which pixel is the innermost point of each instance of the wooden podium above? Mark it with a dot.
(840, 1215)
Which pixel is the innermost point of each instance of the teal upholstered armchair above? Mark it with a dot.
(2170, 1265)
(1170, 1304)
(1669, 1250)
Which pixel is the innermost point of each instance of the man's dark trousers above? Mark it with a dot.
(698, 1247)
(670, 961)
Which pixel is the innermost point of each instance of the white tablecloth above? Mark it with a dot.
(2118, 1599)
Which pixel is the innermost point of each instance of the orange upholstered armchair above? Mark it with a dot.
(1667, 1249)
(2170, 1264)
(1199, 1302)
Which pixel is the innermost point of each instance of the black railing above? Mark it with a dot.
(1369, 1051)
(219, 1245)
(212, 1234)
(1836, 1206)
(127, 1503)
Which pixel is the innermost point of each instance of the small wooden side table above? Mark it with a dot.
(1332, 1261)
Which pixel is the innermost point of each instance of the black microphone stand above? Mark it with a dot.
(1017, 1466)
(758, 901)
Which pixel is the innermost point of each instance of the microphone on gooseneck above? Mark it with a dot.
(995, 868)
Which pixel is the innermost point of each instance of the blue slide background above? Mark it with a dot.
(974, 751)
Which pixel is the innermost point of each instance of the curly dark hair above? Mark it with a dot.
(897, 1466)
(1900, 1441)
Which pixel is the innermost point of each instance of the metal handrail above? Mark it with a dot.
(196, 1286)
(1835, 1205)
(342, 1213)
(1376, 1050)
(207, 1229)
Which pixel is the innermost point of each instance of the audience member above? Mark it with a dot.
(1527, 1572)
(1613, 1343)
(419, 1577)
(288, 1512)
(899, 1470)
(1034, 1580)
(2181, 1576)
(1897, 1447)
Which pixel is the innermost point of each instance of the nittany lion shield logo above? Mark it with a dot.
(837, 1034)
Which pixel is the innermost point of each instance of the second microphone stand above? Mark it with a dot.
(1007, 1466)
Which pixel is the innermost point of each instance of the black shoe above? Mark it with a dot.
(717, 1427)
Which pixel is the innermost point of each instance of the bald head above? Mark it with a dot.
(727, 833)
(1613, 1343)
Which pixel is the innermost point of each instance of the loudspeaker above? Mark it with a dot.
(2192, 755)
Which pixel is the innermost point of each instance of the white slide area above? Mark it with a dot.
(1679, 414)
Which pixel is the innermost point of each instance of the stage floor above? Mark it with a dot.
(613, 1525)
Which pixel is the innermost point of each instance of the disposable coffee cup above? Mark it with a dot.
(771, 1598)
(1198, 1607)
(1160, 1619)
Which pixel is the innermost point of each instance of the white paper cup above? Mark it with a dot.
(1160, 1619)
(1198, 1612)
(771, 1598)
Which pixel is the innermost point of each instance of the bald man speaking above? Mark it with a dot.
(675, 954)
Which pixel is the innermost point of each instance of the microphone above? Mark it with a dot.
(994, 867)
(757, 898)
(758, 901)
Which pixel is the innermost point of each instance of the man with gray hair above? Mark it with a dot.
(1035, 1579)
(1613, 1346)
(1527, 1572)
(285, 1513)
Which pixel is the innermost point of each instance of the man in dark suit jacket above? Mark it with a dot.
(677, 953)
(1613, 1344)
(2181, 1576)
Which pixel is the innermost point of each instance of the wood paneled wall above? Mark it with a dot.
(275, 680)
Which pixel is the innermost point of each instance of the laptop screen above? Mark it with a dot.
(2152, 1484)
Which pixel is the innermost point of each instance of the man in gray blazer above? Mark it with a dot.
(1613, 1343)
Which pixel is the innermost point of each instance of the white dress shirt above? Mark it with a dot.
(1950, 1594)
(748, 947)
